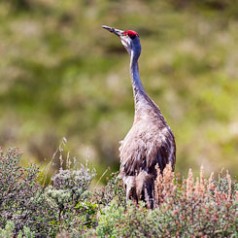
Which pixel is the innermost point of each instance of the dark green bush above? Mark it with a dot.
(70, 195)
(26, 206)
(22, 199)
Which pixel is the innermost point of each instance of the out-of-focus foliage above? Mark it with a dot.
(62, 75)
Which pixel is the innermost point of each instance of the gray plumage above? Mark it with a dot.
(150, 142)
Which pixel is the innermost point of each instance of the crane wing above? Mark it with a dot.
(144, 153)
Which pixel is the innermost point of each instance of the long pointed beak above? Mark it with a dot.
(113, 30)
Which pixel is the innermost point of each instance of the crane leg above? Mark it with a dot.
(149, 195)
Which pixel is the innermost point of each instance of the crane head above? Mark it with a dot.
(129, 38)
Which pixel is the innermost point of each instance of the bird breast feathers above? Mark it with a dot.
(139, 149)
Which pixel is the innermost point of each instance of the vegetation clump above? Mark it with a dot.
(22, 199)
(67, 207)
(193, 207)
(62, 75)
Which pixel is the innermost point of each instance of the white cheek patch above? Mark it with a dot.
(124, 43)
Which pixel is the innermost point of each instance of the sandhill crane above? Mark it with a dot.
(150, 142)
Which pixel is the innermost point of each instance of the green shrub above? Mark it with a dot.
(27, 209)
(196, 208)
(192, 207)
(69, 194)
(22, 199)
(7, 232)
(112, 191)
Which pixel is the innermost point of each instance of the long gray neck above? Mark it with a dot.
(144, 106)
(135, 75)
(138, 89)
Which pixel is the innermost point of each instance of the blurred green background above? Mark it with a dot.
(62, 75)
